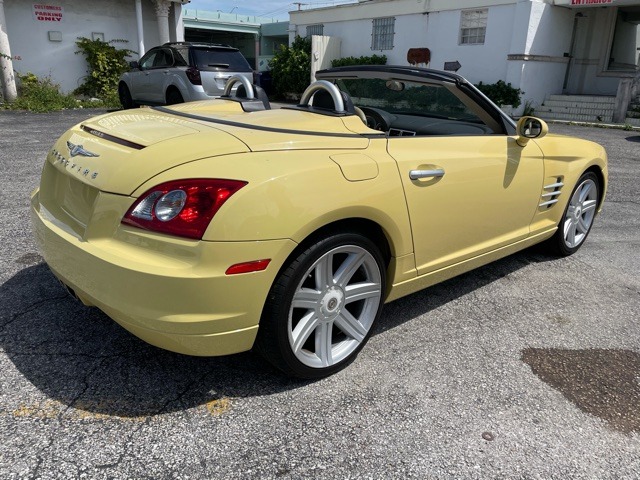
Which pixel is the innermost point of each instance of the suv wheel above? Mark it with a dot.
(174, 96)
(125, 97)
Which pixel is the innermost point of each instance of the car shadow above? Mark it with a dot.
(83, 361)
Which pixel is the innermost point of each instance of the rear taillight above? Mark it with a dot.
(182, 208)
(193, 74)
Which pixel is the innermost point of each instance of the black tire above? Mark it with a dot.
(576, 218)
(343, 321)
(174, 96)
(125, 97)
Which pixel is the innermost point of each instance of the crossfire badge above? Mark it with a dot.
(75, 150)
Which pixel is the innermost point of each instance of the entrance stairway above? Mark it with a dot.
(633, 114)
(578, 108)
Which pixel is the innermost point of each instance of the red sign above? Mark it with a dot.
(590, 2)
(47, 13)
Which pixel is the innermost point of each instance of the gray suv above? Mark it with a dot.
(181, 72)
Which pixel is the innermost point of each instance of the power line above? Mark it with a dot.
(308, 4)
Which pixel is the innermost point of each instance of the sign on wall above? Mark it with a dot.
(590, 2)
(47, 13)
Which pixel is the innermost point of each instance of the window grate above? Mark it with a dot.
(382, 33)
(315, 29)
(473, 26)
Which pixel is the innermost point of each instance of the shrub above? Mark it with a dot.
(501, 93)
(528, 109)
(40, 95)
(291, 67)
(348, 61)
(106, 64)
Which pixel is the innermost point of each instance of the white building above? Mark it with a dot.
(41, 36)
(543, 47)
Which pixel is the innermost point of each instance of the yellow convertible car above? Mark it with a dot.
(215, 227)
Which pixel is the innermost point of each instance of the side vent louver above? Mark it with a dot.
(550, 193)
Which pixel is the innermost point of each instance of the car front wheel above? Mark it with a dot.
(125, 97)
(321, 308)
(578, 217)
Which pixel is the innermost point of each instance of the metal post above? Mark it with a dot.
(6, 64)
(139, 23)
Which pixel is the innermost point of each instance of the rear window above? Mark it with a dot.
(220, 60)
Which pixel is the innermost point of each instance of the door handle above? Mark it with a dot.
(418, 174)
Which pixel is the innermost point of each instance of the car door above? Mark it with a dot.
(469, 188)
(140, 91)
(156, 76)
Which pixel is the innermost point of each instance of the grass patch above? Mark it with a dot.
(43, 95)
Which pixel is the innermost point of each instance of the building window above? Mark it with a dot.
(473, 26)
(315, 29)
(382, 33)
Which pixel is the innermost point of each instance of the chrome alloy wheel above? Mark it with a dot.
(580, 213)
(334, 306)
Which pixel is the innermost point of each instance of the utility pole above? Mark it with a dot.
(6, 64)
(299, 4)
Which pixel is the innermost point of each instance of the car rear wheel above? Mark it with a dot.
(174, 96)
(321, 308)
(125, 97)
(578, 217)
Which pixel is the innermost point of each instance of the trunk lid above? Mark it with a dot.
(118, 152)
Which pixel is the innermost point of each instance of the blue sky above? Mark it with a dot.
(264, 8)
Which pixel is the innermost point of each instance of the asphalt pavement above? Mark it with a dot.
(525, 368)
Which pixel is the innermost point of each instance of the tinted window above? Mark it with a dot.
(181, 55)
(148, 60)
(164, 58)
(408, 98)
(411, 108)
(221, 59)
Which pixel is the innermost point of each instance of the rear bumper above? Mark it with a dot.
(172, 293)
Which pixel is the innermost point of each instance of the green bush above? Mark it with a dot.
(291, 67)
(40, 95)
(501, 93)
(106, 64)
(349, 61)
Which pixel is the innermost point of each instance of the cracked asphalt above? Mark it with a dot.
(526, 368)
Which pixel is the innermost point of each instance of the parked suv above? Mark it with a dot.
(181, 72)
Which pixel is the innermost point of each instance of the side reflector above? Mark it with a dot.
(248, 267)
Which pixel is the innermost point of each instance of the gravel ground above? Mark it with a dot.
(526, 368)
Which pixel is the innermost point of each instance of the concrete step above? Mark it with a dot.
(567, 104)
(575, 110)
(584, 98)
(574, 117)
(579, 108)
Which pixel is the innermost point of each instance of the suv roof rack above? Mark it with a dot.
(199, 44)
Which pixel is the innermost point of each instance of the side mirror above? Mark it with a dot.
(530, 127)
(134, 65)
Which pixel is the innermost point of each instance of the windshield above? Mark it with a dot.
(407, 98)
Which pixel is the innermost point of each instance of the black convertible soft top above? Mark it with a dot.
(423, 73)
